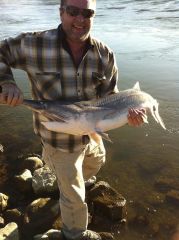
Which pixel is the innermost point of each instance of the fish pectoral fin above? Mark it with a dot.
(103, 135)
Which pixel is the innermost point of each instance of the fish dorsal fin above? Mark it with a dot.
(136, 86)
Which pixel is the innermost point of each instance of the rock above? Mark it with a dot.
(3, 201)
(40, 215)
(107, 201)
(1, 222)
(141, 220)
(10, 232)
(54, 234)
(106, 236)
(173, 197)
(165, 184)
(32, 163)
(150, 167)
(51, 234)
(14, 215)
(44, 181)
(4, 173)
(24, 181)
(156, 199)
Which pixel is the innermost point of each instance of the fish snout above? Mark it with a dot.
(156, 115)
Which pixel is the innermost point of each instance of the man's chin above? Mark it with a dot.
(82, 38)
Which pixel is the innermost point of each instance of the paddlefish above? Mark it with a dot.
(95, 117)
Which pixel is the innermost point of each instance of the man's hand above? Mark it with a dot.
(10, 94)
(137, 117)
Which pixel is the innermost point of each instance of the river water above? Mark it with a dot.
(144, 35)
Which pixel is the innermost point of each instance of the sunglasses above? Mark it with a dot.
(75, 11)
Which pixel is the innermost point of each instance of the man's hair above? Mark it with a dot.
(63, 2)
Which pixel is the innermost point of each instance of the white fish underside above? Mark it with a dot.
(97, 116)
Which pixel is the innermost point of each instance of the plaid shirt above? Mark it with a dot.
(48, 61)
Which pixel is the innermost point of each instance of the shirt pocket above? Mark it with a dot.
(49, 84)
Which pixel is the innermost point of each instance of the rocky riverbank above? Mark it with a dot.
(31, 209)
(29, 205)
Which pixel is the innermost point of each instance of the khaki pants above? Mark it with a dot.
(71, 170)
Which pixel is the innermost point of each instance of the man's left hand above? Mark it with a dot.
(136, 117)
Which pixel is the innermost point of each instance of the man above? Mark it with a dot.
(65, 63)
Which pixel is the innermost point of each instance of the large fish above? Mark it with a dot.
(97, 116)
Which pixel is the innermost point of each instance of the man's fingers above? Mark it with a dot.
(136, 117)
(11, 95)
(17, 99)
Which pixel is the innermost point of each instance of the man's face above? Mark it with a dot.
(77, 28)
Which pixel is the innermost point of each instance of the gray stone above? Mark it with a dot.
(1, 222)
(51, 234)
(44, 181)
(32, 163)
(24, 181)
(40, 215)
(3, 201)
(10, 232)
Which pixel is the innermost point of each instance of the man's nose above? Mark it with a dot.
(80, 18)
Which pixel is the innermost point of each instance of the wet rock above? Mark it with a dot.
(40, 215)
(54, 234)
(141, 220)
(3, 201)
(150, 167)
(165, 184)
(1, 222)
(4, 172)
(155, 228)
(10, 232)
(156, 199)
(32, 163)
(44, 181)
(51, 234)
(173, 197)
(138, 214)
(107, 201)
(24, 181)
(106, 236)
(14, 215)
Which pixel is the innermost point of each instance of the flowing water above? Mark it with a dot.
(144, 35)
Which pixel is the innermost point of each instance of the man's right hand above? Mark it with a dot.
(10, 94)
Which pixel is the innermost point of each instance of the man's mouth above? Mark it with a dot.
(78, 27)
